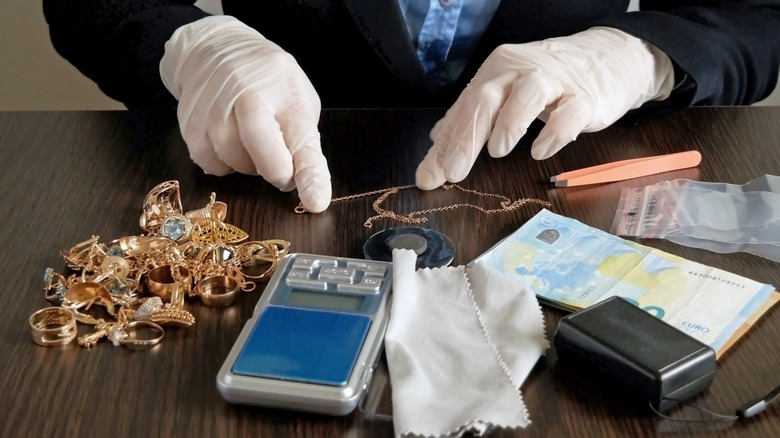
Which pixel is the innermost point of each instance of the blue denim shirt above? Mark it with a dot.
(445, 32)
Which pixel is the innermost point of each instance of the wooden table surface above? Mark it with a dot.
(66, 176)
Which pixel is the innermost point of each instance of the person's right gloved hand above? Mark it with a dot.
(245, 105)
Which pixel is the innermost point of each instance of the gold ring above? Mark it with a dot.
(160, 282)
(218, 290)
(137, 334)
(281, 247)
(53, 326)
(262, 257)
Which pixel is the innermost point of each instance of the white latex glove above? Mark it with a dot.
(579, 83)
(245, 105)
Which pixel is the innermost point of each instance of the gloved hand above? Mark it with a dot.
(245, 105)
(579, 83)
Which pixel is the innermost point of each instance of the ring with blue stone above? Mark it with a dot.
(176, 227)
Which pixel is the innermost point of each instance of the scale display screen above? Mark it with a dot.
(319, 300)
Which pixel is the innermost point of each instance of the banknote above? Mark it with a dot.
(571, 265)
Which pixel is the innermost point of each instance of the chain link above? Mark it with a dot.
(418, 216)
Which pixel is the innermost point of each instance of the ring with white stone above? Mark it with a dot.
(144, 312)
(136, 334)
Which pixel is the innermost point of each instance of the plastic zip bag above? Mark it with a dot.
(719, 217)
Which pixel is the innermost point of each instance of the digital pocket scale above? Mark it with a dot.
(314, 337)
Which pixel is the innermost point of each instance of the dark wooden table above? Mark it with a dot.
(68, 175)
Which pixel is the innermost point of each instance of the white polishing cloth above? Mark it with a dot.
(459, 344)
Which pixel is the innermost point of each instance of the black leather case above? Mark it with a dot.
(638, 350)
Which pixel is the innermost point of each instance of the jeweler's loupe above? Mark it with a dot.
(433, 248)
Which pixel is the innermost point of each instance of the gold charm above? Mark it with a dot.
(102, 328)
(164, 199)
(214, 231)
(167, 316)
(84, 294)
(214, 210)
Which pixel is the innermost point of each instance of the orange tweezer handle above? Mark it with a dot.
(627, 169)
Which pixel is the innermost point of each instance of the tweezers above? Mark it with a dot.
(627, 169)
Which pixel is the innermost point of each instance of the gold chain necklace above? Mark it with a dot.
(417, 217)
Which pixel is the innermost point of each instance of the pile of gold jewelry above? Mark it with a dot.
(138, 284)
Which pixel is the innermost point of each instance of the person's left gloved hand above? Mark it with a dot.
(579, 83)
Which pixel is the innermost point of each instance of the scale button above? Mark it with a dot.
(368, 374)
(337, 274)
(368, 268)
(368, 284)
(373, 270)
(299, 277)
(307, 262)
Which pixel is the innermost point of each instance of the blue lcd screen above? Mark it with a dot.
(303, 345)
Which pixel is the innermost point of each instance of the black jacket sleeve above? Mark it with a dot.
(724, 52)
(119, 43)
